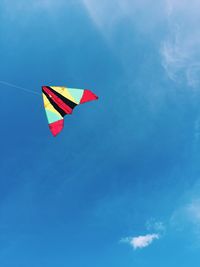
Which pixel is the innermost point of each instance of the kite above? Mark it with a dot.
(60, 101)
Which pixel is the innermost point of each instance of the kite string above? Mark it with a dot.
(19, 87)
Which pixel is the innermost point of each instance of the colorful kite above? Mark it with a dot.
(59, 101)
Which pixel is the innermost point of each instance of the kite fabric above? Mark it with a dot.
(59, 101)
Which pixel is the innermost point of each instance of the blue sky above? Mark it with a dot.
(120, 185)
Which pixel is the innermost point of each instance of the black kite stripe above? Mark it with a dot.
(62, 112)
(64, 99)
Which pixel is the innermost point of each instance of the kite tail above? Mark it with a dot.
(19, 87)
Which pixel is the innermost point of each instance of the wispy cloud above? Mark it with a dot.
(141, 241)
(108, 15)
(157, 226)
(180, 49)
(12, 10)
(193, 211)
(187, 216)
(100, 10)
(180, 43)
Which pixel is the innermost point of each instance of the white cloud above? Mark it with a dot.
(141, 241)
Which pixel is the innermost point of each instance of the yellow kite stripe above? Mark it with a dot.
(64, 92)
(48, 105)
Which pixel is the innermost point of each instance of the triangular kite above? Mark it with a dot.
(59, 101)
